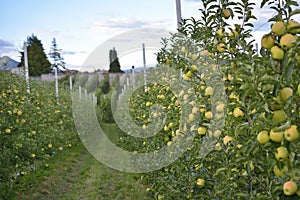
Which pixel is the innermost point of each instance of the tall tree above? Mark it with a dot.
(58, 60)
(38, 62)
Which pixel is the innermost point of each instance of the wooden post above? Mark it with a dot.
(133, 81)
(144, 61)
(26, 68)
(79, 90)
(178, 11)
(71, 83)
(56, 84)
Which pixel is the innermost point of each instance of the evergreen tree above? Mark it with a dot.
(104, 84)
(114, 66)
(58, 60)
(38, 62)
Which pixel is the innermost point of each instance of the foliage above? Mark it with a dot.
(37, 60)
(33, 128)
(238, 166)
(55, 54)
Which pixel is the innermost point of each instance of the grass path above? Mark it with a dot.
(77, 175)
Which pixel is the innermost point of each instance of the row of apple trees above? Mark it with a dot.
(33, 128)
(245, 120)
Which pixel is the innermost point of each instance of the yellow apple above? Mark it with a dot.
(189, 74)
(293, 24)
(201, 130)
(166, 128)
(220, 32)
(220, 107)
(281, 153)
(292, 134)
(194, 68)
(200, 182)
(263, 137)
(278, 28)
(287, 40)
(286, 93)
(33, 155)
(279, 116)
(208, 115)
(183, 50)
(148, 104)
(233, 33)
(209, 91)
(49, 146)
(289, 188)
(185, 77)
(237, 112)
(226, 13)
(277, 53)
(191, 117)
(251, 165)
(144, 126)
(227, 139)
(267, 41)
(221, 47)
(280, 172)
(276, 136)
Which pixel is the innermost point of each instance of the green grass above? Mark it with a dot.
(77, 175)
(110, 131)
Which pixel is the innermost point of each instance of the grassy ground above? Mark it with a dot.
(77, 175)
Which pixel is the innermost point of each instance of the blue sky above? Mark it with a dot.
(80, 26)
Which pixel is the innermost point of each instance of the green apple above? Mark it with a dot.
(200, 182)
(166, 128)
(189, 74)
(194, 68)
(201, 130)
(287, 40)
(263, 137)
(289, 188)
(221, 47)
(278, 28)
(209, 91)
(220, 32)
(208, 115)
(276, 136)
(227, 139)
(286, 93)
(183, 50)
(279, 116)
(293, 24)
(191, 117)
(277, 53)
(226, 13)
(291, 134)
(220, 107)
(280, 172)
(237, 112)
(281, 153)
(267, 41)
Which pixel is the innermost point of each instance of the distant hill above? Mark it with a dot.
(6, 63)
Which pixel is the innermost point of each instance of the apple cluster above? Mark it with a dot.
(282, 37)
